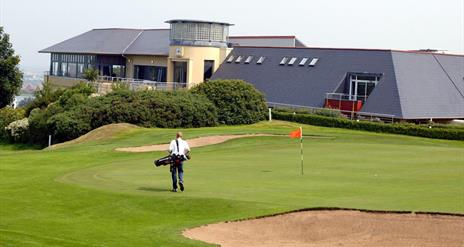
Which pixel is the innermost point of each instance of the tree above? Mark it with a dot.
(11, 78)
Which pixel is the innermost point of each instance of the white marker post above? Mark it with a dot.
(270, 114)
(49, 140)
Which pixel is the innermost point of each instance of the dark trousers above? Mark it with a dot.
(177, 170)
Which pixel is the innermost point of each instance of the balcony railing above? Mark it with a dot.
(137, 84)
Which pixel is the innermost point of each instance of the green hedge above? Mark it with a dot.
(395, 128)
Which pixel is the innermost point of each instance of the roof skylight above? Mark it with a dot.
(231, 58)
(313, 62)
(303, 61)
(248, 60)
(292, 61)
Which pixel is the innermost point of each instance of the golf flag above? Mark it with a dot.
(296, 133)
(299, 134)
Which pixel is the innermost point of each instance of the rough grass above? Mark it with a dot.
(88, 194)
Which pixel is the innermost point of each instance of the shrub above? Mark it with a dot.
(7, 116)
(395, 128)
(90, 74)
(66, 126)
(18, 131)
(237, 101)
(38, 119)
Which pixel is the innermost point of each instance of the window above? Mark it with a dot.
(80, 70)
(248, 60)
(313, 62)
(180, 72)
(361, 85)
(64, 69)
(55, 66)
(72, 70)
(303, 61)
(150, 73)
(231, 58)
(260, 60)
(208, 69)
(239, 59)
(292, 61)
(283, 61)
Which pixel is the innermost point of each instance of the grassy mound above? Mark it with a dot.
(106, 132)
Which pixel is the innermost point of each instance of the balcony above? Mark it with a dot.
(344, 102)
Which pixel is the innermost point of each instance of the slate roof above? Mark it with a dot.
(116, 41)
(412, 85)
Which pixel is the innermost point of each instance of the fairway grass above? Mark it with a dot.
(87, 194)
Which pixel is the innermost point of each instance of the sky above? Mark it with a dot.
(387, 24)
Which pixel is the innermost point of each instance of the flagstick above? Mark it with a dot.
(301, 147)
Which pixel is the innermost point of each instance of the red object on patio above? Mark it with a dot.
(344, 105)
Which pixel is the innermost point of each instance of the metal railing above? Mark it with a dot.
(344, 96)
(140, 84)
(353, 115)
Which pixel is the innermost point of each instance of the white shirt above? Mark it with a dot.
(183, 147)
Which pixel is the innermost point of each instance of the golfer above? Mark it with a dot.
(179, 149)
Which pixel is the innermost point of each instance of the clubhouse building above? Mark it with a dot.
(409, 85)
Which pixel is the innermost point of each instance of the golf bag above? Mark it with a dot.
(172, 159)
(168, 160)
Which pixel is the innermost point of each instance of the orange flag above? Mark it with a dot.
(296, 133)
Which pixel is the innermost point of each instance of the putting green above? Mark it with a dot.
(338, 172)
(88, 194)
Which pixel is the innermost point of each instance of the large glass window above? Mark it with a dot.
(64, 69)
(180, 72)
(72, 70)
(80, 70)
(208, 69)
(361, 86)
(151, 73)
(55, 68)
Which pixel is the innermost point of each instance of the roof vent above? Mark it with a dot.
(283, 61)
(260, 60)
(239, 59)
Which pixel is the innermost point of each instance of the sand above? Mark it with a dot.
(195, 142)
(326, 228)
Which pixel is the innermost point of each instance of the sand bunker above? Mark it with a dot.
(195, 142)
(336, 228)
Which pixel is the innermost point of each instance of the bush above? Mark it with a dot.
(91, 74)
(152, 109)
(7, 116)
(38, 119)
(66, 126)
(18, 131)
(395, 128)
(237, 101)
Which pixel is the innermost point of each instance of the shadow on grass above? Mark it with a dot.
(154, 189)
(19, 146)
